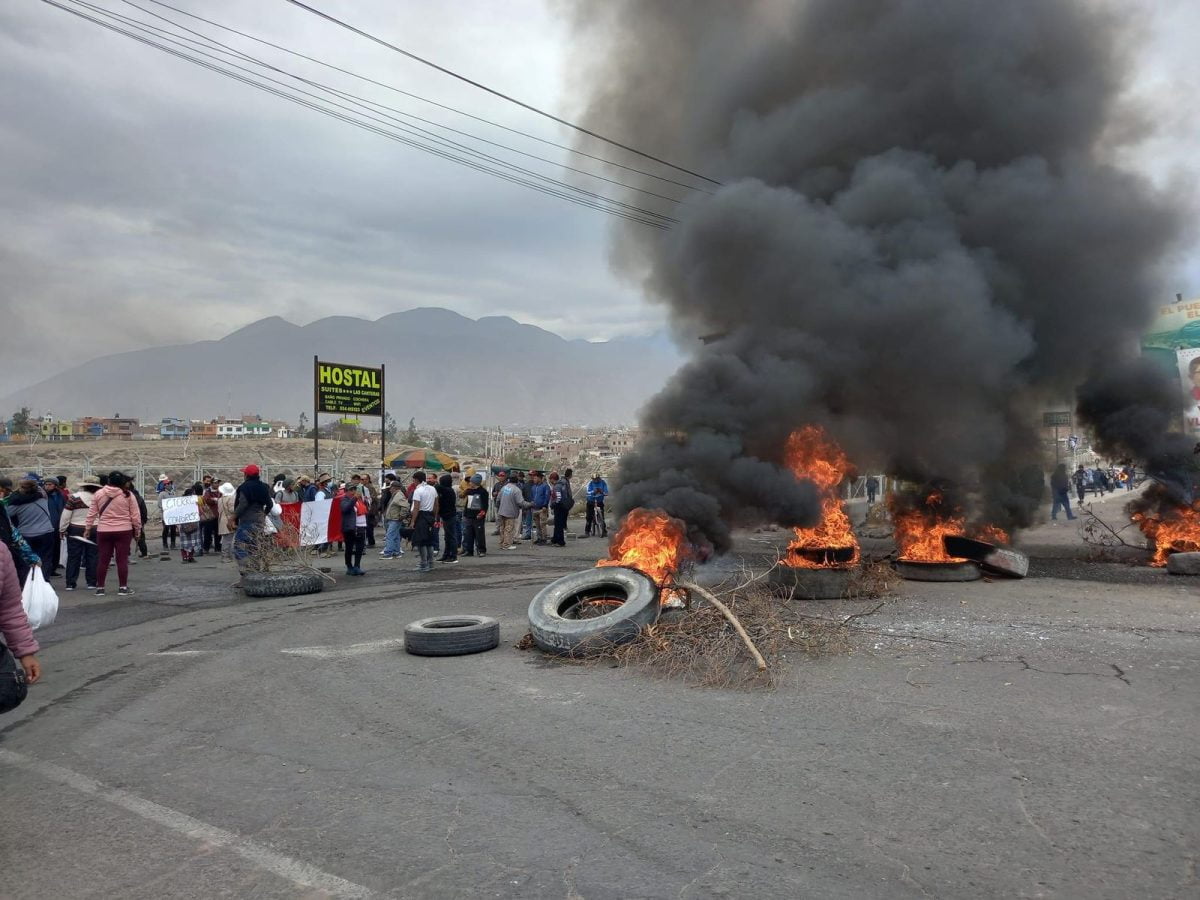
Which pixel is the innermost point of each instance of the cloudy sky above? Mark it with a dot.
(144, 200)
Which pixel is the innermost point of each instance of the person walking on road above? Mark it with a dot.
(872, 489)
(423, 520)
(508, 512)
(475, 509)
(1082, 480)
(597, 491)
(1060, 487)
(114, 521)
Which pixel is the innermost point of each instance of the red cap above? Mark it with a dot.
(251, 469)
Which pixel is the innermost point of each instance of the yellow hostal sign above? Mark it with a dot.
(349, 390)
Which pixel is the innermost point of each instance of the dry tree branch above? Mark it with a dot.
(1094, 530)
(733, 620)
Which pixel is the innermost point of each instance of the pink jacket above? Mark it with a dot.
(117, 511)
(13, 623)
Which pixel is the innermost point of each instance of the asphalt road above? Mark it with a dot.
(1020, 739)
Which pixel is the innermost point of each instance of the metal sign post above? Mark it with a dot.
(1056, 420)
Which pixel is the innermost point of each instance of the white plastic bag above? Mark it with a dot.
(39, 599)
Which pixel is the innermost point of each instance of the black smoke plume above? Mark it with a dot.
(919, 235)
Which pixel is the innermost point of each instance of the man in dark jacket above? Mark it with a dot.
(1060, 487)
(475, 508)
(561, 502)
(56, 501)
(251, 503)
(448, 511)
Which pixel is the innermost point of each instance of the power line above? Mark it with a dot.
(452, 145)
(561, 189)
(355, 98)
(493, 91)
(456, 111)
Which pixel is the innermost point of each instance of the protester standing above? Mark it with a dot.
(165, 487)
(191, 540)
(210, 516)
(423, 520)
(448, 511)
(114, 520)
(225, 506)
(561, 502)
(73, 526)
(353, 509)
(597, 491)
(539, 502)
(526, 484)
(475, 508)
(56, 501)
(30, 513)
(252, 503)
(143, 514)
(394, 515)
(509, 506)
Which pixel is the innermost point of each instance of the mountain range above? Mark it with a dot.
(443, 369)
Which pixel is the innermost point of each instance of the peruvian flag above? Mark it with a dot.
(317, 522)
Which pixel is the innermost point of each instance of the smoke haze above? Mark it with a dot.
(918, 238)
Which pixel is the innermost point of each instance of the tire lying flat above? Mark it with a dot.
(281, 584)
(633, 596)
(451, 635)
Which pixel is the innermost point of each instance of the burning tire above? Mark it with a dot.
(586, 610)
(451, 635)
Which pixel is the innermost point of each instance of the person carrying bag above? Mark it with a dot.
(19, 666)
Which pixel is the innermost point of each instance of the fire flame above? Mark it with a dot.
(990, 533)
(1175, 529)
(812, 454)
(652, 542)
(919, 532)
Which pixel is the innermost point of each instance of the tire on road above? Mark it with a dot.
(451, 635)
(554, 619)
(281, 584)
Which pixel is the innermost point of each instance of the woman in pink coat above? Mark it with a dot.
(115, 521)
(14, 626)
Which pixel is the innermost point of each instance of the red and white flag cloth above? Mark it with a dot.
(317, 522)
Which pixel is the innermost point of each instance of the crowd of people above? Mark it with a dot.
(1097, 480)
(438, 518)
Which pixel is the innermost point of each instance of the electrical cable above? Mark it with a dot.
(645, 217)
(358, 99)
(456, 111)
(412, 130)
(501, 95)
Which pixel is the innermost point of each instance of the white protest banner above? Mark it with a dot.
(179, 510)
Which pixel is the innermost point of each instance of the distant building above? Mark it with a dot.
(120, 428)
(175, 429)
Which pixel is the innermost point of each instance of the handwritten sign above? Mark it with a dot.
(179, 510)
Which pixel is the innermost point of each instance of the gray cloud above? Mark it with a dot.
(176, 204)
